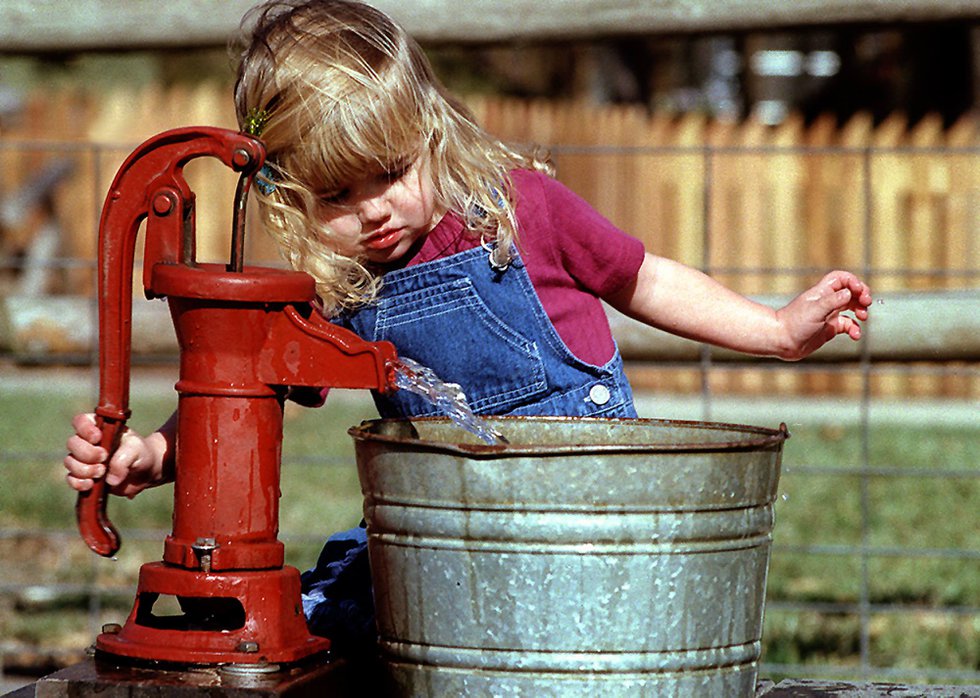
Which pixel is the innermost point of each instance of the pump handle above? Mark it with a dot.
(90, 507)
(149, 185)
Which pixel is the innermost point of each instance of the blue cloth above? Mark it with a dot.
(486, 330)
(336, 593)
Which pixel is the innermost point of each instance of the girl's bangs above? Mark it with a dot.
(359, 139)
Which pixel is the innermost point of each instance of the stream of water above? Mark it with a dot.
(448, 398)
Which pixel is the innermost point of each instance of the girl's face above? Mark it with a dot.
(381, 217)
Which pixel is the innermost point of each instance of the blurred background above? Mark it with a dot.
(762, 145)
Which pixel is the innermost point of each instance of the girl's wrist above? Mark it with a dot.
(785, 346)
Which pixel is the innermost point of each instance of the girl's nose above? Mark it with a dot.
(374, 208)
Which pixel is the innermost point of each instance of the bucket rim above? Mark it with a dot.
(766, 438)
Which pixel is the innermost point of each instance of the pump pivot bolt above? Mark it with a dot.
(248, 646)
(240, 159)
(163, 204)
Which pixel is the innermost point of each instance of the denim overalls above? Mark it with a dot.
(486, 330)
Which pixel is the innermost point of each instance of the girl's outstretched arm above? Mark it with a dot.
(684, 301)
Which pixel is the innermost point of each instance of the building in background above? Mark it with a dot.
(912, 69)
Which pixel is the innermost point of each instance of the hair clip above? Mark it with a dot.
(255, 121)
(266, 180)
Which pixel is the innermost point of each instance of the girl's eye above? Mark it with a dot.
(342, 197)
(397, 173)
(334, 198)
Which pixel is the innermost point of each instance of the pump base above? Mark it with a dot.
(103, 678)
(240, 617)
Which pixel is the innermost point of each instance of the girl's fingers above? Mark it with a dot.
(827, 302)
(118, 471)
(843, 324)
(86, 462)
(836, 305)
(83, 451)
(850, 293)
(80, 476)
(124, 459)
(84, 426)
(858, 298)
(126, 472)
(849, 327)
(860, 291)
(79, 485)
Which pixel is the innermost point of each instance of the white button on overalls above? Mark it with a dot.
(599, 394)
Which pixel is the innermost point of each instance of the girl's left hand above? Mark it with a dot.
(817, 315)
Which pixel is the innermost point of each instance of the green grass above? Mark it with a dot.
(320, 490)
(908, 513)
(319, 479)
(321, 495)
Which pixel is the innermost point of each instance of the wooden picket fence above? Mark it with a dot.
(768, 209)
(764, 209)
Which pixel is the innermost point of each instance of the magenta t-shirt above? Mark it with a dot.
(573, 255)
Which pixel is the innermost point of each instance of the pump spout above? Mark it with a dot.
(309, 351)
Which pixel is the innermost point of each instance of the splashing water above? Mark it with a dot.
(449, 398)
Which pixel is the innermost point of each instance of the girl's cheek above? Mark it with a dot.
(335, 218)
(343, 235)
(327, 213)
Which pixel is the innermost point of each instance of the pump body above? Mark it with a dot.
(245, 334)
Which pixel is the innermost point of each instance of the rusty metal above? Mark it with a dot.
(245, 335)
(238, 219)
(586, 557)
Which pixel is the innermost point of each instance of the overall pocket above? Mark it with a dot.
(448, 328)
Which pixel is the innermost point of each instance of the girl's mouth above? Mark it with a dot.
(384, 240)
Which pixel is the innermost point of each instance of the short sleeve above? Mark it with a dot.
(597, 254)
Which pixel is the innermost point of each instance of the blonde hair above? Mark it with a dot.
(340, 91)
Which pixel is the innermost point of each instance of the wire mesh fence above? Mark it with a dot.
(880, 510)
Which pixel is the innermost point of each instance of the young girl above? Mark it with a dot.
(422, 229)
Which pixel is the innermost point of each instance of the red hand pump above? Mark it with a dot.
(245, 335)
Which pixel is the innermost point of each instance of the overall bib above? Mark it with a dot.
(486, 330)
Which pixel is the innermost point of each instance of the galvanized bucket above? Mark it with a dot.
(587, 557)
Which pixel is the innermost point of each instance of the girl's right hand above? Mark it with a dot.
(135, 466)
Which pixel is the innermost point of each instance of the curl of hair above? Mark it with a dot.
(347, 92)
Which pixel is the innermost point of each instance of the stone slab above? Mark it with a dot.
(813, 688)
(105, 679)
